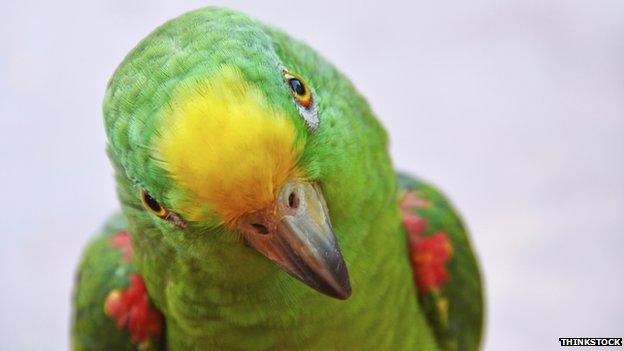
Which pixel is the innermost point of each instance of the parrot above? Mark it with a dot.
(260, 209)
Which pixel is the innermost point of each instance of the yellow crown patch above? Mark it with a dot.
(224, 144)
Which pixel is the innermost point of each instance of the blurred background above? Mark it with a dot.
(514, 108)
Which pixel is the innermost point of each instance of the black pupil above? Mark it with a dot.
(297, 86)
(151, 203)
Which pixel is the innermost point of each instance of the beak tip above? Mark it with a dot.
(344, 290)
(344, 293)
(341, 293)
(341, 288)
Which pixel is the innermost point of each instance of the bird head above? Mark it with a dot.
(215, 125)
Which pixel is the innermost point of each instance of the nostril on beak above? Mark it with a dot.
(260, 228)
(293, 200)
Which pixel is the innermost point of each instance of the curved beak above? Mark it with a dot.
(296, 234)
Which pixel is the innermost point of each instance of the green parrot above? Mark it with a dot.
(260, 209)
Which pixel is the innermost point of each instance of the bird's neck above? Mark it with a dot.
(227, 303)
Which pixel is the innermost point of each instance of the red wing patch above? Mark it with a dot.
(428, 254)
(130, 308)
(122, 242)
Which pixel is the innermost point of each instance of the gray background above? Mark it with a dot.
(514, 108)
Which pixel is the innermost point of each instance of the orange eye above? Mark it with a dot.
(298, 89)
(152, 205)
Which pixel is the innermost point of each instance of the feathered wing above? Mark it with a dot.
(111, 308)
(445, 269)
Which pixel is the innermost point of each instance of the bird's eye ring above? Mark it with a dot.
(298, 89)
(152, 205)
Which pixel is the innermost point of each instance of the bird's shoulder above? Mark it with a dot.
(444, 266)
(111, 306)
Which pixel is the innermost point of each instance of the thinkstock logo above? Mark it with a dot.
(590, 341)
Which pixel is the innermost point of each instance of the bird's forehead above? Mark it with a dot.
(225, 144)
